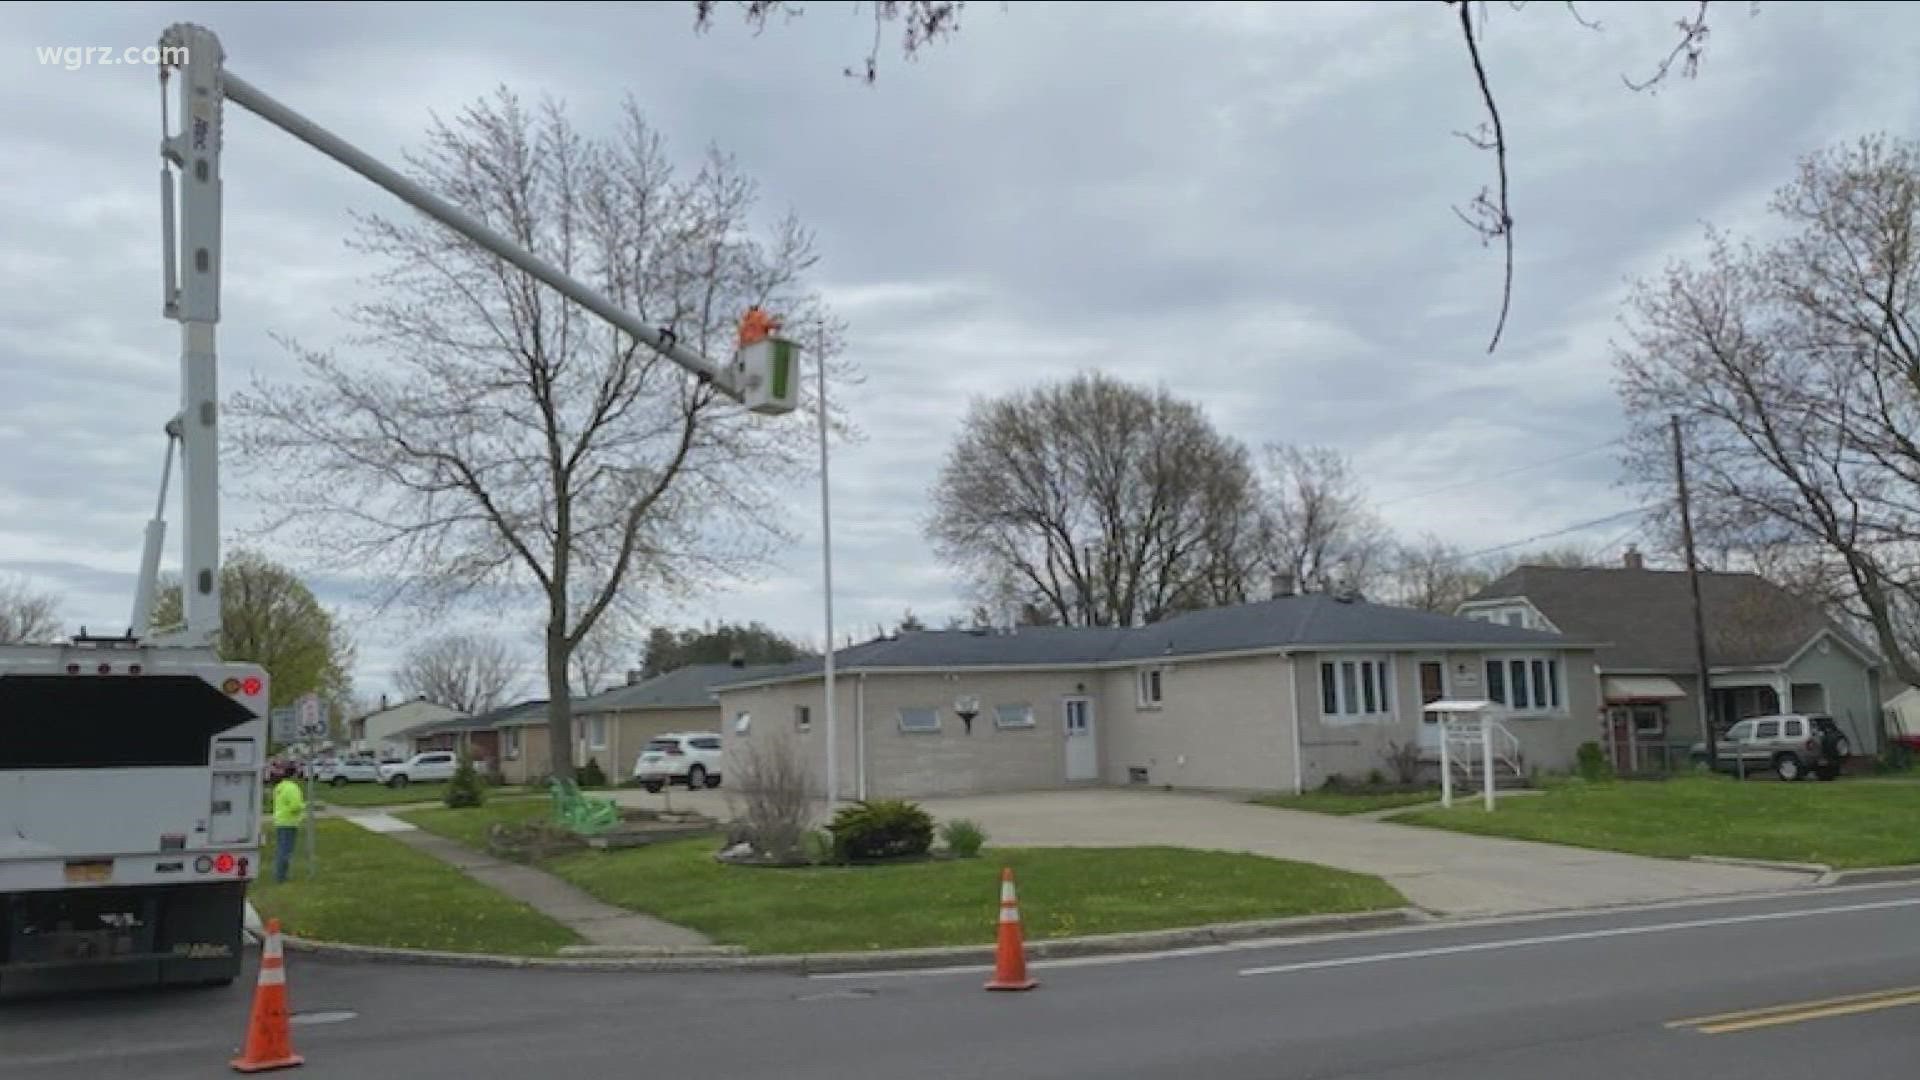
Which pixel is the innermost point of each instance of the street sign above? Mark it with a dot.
(312, 722)
(285, 724)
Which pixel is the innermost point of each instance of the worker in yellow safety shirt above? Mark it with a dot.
(289, 812)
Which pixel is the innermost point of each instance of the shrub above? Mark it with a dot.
(963, 838)
(1593, 763)
(881, 829)
(591, 775)
(1404, 759)
(1334, 782)
(1897, 758)
(466, 790)
(775, 791)
(819, 844)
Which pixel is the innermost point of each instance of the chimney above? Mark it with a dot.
(633, 675)
(1282, 585)
(1633, 560)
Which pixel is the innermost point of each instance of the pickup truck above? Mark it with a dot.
(352, 769)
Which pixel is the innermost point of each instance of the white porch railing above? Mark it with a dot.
(1474, 751)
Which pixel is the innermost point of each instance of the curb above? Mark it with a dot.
(608, 959)
(1872, 875)
(1818, 869)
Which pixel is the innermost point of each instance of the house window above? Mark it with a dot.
(597, 733)
(1356, 687)
(916, 719)
(1649, 719)
(802, 719)
(1150, 688)
(1524, 684)
(1516, 618)
(1013, 716)
(510, 743)
(742, 722)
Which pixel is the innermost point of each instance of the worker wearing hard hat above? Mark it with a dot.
(289, 813)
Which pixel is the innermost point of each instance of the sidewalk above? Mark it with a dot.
(597, 923)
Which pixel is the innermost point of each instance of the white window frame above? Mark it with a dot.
(1373, 675)
(1554, 668)
(1023, 720)
(743, 723)
(803, 718)
(596, 733)
(1150, 687)
(919, 729)
(510, 743)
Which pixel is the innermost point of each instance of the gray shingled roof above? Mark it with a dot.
(1646, 615)
(1311, 621)
(519, 714)
(682, 688)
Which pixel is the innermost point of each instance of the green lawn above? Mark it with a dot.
(1348, 802)
(374, 890)
(470, 826)
(1064, 892)
(1848, 823)
(382, 795)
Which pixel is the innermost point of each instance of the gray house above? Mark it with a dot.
(1767, 652)
(1276, 695)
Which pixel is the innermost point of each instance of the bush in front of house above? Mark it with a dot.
(466, 790)
(963, 838)
(1592, 763)
(591, 775)
(881, 829)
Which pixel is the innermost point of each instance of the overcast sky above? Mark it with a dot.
(1249, 204)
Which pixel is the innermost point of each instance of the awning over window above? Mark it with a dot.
(1625, 688)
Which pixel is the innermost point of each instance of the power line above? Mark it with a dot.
(1515, 471)
(1582, 526)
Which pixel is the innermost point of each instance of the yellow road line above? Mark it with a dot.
(1795, 1012)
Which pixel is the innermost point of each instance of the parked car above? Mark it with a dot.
(425, 766)
(356, 768)
(1793, 747)
(690, 758)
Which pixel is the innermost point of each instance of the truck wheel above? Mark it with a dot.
(338, 781)
(696, 777)
(1787, 767)
(398, 781)
(653, 786)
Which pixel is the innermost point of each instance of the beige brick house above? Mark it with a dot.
(1276, 695)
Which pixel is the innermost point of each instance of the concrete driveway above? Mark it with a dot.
(1443, 872)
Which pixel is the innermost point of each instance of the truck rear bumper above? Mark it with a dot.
(88, 939)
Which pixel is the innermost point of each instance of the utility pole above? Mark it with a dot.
(1707, 732)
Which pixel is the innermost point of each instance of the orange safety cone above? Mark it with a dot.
(269, 1034)
(1010, 957)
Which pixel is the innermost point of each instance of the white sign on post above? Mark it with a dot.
(285, 724)
(312, 719)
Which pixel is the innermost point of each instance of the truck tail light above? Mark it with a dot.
(223, 863)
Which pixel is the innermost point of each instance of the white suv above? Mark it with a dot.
(430, 765)
(691, 758)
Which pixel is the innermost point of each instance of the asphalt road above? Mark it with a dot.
(1641, 993)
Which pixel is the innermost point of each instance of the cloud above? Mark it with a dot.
(1247, 204)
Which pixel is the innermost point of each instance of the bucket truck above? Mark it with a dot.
(131, 766)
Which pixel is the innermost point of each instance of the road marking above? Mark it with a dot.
(1801, 1012)
(1583, 935)
(1796, 1006)
(1466, 922)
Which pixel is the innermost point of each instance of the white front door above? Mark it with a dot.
(1433, 687)
(1083, 756)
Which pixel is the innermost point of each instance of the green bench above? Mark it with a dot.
(585, 814)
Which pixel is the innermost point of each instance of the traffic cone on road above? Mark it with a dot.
(269, 1033)
(1010, 957)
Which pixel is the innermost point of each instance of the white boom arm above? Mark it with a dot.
(763, 376)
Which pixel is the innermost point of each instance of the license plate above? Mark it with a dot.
(86, 873)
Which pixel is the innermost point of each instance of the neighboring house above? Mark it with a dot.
(384, 729)
(1767, 652)
(614, 725)
(1275, 695)
(1903, 712)
(521, 736)
(473, 735)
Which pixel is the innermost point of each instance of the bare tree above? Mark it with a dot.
(1489, 214)
(1430, 574)
(609, 649)
(1319, 529)
(774, 789)
(1795, 369)
(473, 673)
(498, 437)
(26, 613)
(1100, 501)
